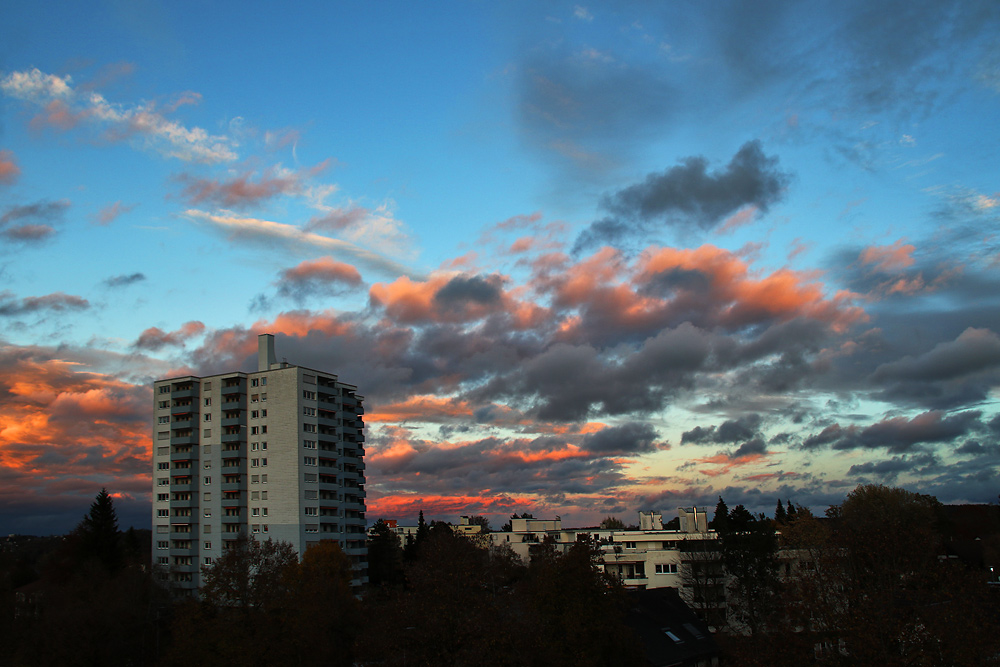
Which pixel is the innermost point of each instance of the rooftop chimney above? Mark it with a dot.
(265, 352)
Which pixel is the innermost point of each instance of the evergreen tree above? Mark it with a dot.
(791, 509)
(721, 517)
(99, 534)
(780, 515)
(385, 556)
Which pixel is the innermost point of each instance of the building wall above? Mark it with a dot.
(278, 453)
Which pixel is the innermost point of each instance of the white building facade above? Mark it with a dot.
(278, 453)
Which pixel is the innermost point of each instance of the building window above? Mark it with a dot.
(162, 512)
(208, 560)
(208, 528)
(162, 560)
(254, 398)
(263, 429)
(163, 481)
(263, 413)
(208, 416)
(208, 496)
(312, 528)
(163, 404)
(263, 397)
(254, 511)
(309, 460)
(309, 428)
(264, 526)
(254, 382)
(263, 381)
(255, 495)
(208, 511)
(263, 511)
(263, 479)
(308, 379)
(309, 412)
(263, 495)
(207, 449)
(311, 495)
(208, 481)
(263, 463)
(208, 402)
(254, 463)
(163, 544)
(207, 386)
(208, 545)
(163, 420)
(163, 529)
(207, 433)
(163, 465)
(165, 389)
(312, 511)
(254, 479)
(254, 414)
(255, 528)
(162, 451)
(309, 444)
(254, 430)
(162, 497)
(309, 477)
(208, 464)
(263, 444)
(311, 395)
(163, 435)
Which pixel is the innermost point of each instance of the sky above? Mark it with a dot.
(580, 259)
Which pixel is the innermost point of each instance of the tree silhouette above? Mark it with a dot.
(100, 538)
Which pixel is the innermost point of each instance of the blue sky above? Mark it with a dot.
(582, 259)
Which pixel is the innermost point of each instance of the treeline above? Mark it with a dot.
(866, 584)
(446, 600)
(869, 584)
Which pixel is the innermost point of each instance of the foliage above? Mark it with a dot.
(100, 538)
(612, 523)
(482, 522)
(749, 548)
(385, 556)
(249, 574)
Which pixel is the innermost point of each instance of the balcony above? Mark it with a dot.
(232, 421)
(185, 423)
(234, 386)
(191, 439)
(234, 402)
(189, 392)
(234, 437)
(189, 455)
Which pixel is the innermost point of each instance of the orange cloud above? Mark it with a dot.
(409, 505)
(324, 269)
(888, 258)
(424, 408)
(155, 338)
(9, 171)
(243, 190)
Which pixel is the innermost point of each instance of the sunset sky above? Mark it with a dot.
(581, 259)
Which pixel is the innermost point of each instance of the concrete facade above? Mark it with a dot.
(278, 453)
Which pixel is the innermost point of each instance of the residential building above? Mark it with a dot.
(277, 453)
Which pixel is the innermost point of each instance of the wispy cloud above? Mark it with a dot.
(64, 107)
(111, 212)
(9, 171)
(248, 230)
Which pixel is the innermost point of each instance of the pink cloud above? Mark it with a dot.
(109, 213)
(9, 171)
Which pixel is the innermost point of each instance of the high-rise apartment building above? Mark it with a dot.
(277, 453)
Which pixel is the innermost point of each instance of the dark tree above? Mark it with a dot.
(780, 515)
(749, 548)
(791, 509)
(612, 523)
(385, 556)
(482, 521)
(100, 538)
(721, 515)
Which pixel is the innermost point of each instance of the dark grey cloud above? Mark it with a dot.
(689, 196)
(888, 470)
(32, 222)
(627, 439)
(729, 432)
(125, 279)
(477, 289)
(898, 434)
(11, 306)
